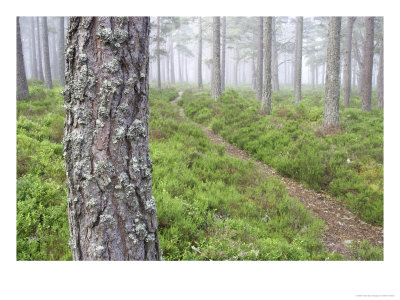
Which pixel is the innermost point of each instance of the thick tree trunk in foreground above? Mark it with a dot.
(380, 79)
(46, 55)
(216, 91)
(347, 63)
(223, 54)
(61, 55)
(22, 84)
(298, 59)
(259, 81)
(332, 85)
(266, 96)
(200, 59)
(368, 63)
(40, 64)
(34, 61)
(158, 55)
(274, 53)
(112, 213)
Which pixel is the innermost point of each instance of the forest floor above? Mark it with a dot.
(342, 226)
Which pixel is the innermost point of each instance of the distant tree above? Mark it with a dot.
(216, 91)
(158, 55)
(332, 84)
(172, 59)
(298, 59)
(61, 50)
(111, 210)
(259, 81)
(368, 63)
(380, 78)
(266, 97)
(347, 62)
(33, 49)
(39, 54)
(22, 84)
(200, 58)
(274, 62)
(223, 54)
(46, 55)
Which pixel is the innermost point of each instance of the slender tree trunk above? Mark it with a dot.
(40, 65)
(54, 56)
(312, 76)
(323, 74)
(380, 79)
(235, 68)
(186, 70)
(316, 76)
(158, 55)
(200, 58)
(179, 66)
(253, 74)
(332, 86)
(354, 63)
(360, 64)
(223, 54)
(347, 63)
(34, 61)
(267, 87)
(171, 50)
(22, 84)
(61, 47)
(111, 210)
(298, 59)
(259, 81)
(275, 66)
(46, 56)
(368, 63)
(216, 58)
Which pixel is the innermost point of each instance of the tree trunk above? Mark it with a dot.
(368, 63)
(216, 91)
(223, 54)
(111, 210)
(266, 96)
(275, 66)
(347, 63)
(332, 85)
(39, 54)
(186, 70)
(316, 76)
(46, 55)
(235, 68)
(200, 59)
(22, 84)
(312, 76)
(298, 59)
(61, 55)
(380, 79)
(259, 81)
(179, 66)
(33, 50)
(54, 56)
(253, 74)
(360, 64)
(171, 51)
(158, 55)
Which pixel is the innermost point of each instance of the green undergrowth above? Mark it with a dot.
(347, 164)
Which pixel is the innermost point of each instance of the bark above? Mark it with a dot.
(199, 61)
(312, 67)
(186, 70)
(259, 81)
(34, 61)
(275, 66)
(316, 76)
(347, 63)
(111, 210)
(223, 54)
(266, 96)
(368, 63)
(253, 74)
(216, 58)
(22, 84)
(235, 68)
(54, 55)
(171, 51)
(298, 59)
(360, 64)
(158, 55)
(39, 54)
(332, 86)
(46, 55)
(380, 79)
(61, 51)
(180, 66)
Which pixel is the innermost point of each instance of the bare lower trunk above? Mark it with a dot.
(266, 97)
(61, 55)
(380, 79)
(275, 69)
(46, 55)
(347, 63)
(216, 92)
(223, 54)
(54, 56)
(332, 85)
(111, 210)
(40, 65)
(368, 63)
(235, 68)
(33, 50)
(158, 55)
(259, 81)
(200, 58)
(298, 59)
(22, 84)
(171, 52)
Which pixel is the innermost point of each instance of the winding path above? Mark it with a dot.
(342, 226)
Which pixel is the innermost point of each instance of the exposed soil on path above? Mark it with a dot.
(342, 226)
